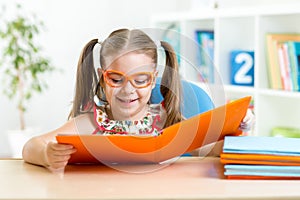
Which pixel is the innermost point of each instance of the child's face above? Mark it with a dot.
(131, 79)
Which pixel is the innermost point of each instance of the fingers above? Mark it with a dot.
(248, 121)
(249, 116)
(58, 155)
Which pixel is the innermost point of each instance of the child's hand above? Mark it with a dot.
(57, 155)
(248, 121)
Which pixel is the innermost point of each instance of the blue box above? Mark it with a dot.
(242, 67)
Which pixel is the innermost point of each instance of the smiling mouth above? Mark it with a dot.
(127, 100)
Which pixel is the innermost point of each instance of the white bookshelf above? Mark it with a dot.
(243, 28)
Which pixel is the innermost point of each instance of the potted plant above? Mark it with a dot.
(22, 64)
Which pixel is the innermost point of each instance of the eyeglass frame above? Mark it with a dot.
(129, 78)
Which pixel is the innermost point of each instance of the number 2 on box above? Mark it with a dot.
(241, 75)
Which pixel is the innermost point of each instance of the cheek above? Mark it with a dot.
(145, 93)
(109, 93)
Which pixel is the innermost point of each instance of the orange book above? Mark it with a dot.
(174, 141)
(263, 177)
(259, 159)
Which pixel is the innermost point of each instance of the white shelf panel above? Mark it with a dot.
(239, 89)
(279, 93)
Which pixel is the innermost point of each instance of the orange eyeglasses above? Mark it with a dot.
(118, 79)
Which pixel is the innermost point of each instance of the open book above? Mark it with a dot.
(175, 140)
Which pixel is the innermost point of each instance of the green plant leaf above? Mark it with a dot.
(22, 60)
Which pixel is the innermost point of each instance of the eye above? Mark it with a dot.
(116, 78)
(140, 82)
(142, 79)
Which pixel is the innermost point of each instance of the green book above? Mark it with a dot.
(286, 132)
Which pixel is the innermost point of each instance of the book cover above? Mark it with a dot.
(244, 177)
(262, 170)
(262, 145)
(259, 159)
(174, 141)
(281, 131)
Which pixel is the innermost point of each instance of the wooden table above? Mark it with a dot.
(187, 178)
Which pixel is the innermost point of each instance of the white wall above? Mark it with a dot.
(70, 25)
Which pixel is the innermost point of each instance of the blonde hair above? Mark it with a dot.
(118, 43)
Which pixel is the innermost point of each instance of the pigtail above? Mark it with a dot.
(86, 81)
(170, 87)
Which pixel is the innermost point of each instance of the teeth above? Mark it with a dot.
(127, 100)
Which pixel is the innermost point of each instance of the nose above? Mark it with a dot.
(128, 88)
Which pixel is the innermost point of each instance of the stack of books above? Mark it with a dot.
(251, 157)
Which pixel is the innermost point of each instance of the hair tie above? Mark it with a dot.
(161, 56)
(98, 58)
(157, 43)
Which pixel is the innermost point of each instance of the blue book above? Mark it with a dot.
(294, 58)
(205, 54)
(262, 170)
(262, 145)
(297, 54)
(172, 36)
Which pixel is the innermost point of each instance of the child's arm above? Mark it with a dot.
(43, 149)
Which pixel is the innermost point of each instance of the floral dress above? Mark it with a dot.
(150, 125)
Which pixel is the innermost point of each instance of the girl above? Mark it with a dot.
(128, 60)
(114, 99)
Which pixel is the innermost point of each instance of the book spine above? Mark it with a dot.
(293, 64)
(273, 63)
(205, 54)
